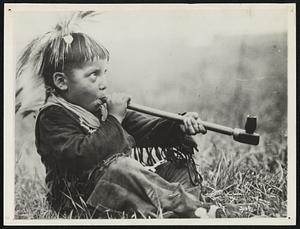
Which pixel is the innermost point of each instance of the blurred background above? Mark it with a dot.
(222, 63)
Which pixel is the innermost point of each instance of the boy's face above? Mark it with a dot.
(87, 83)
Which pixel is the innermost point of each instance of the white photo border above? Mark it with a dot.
(9, 121)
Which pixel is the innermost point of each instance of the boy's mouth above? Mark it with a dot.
(102, 99)
(100, 107)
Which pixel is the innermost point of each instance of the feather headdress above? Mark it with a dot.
(49, 53)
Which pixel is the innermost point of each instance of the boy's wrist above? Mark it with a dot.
(120, 119)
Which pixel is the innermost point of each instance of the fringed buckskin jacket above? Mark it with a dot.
(72, 153)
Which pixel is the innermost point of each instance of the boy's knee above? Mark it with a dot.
(124, 164)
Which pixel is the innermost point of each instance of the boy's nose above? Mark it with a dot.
(102, 87)
(103, 84)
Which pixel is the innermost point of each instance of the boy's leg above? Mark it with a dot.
(126, 184)
(172, 173)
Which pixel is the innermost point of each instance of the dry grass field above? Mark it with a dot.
(246, 181)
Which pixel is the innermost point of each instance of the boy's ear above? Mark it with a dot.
(60, 80)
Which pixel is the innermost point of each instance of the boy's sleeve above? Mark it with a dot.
(58, 133)
(152, 131)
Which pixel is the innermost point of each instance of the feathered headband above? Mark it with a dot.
(30, 86)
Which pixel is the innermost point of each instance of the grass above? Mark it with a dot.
(247, 181)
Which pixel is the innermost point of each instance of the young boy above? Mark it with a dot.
(85, 137)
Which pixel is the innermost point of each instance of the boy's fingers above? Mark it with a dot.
(185, 124)
(201, 127)
(195, 125)
(189, 126)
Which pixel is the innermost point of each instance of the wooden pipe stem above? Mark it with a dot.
(164, 114)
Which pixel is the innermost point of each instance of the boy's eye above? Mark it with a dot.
(94, 74)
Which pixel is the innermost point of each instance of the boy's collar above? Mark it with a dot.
(86, 118)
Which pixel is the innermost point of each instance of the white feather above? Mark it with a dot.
(30, 84)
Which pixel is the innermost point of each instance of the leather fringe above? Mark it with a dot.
(182, 156)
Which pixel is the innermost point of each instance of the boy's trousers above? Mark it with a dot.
(126, 184)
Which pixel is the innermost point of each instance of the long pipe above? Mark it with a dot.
(164, 114)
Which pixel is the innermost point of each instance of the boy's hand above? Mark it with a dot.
(192, 124)
(117, 105)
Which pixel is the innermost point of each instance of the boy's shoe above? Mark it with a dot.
(209, 211)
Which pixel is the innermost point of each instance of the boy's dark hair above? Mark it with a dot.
(59, 50)
(60, 56)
